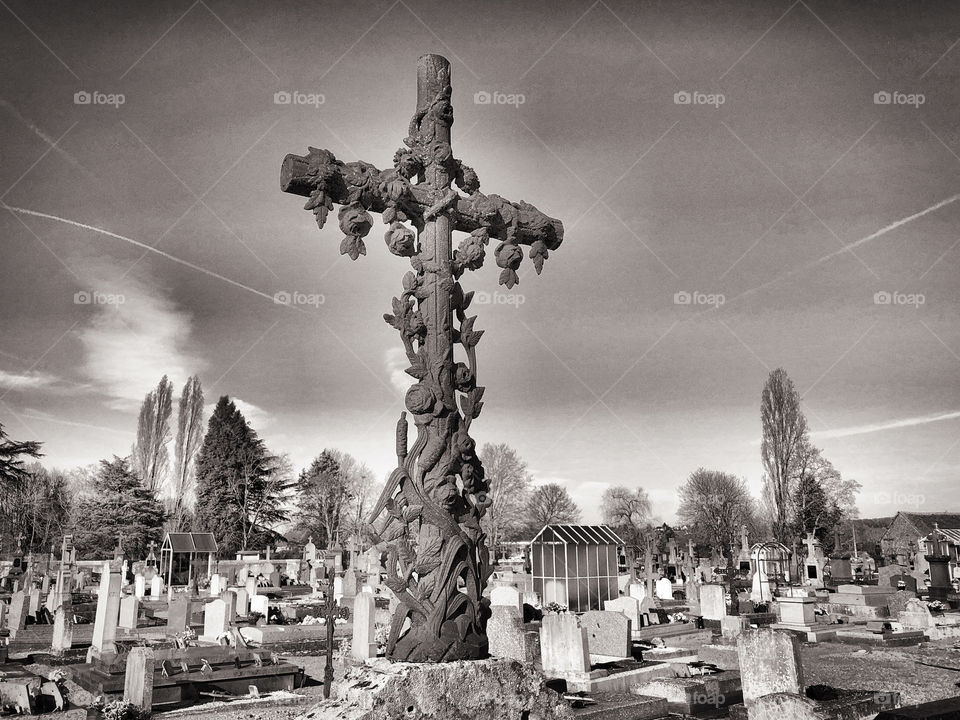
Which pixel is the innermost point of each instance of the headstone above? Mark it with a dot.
(364, 645)
(108, 613)
(628, 606)
(216, 620)
(260, 604)
(62, 627)
(713, 601)
(636, 590)
(129, 610)
(156, 587)
(138, 679)
(215, 588)
(555, 591)
(251, 587)
(664, 589)
(506, 595)
(34, 601)
(608, 633)
(19, 609)
(563, 646)
(178, 615)
(274, 579)
(916, 616)
(310, 550)
(769, 663)
(139, 586)
(243, 603)
(337, 588)
(505, 633)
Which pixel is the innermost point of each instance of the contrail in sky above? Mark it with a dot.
(889, 425)
(846, 248)
(174, 258)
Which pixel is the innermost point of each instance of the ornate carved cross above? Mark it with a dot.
(429, 513)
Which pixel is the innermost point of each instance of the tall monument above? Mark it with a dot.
(430, 510)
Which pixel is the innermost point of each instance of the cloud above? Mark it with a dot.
(255, 415)
(30, 380)
(396, 362)
(135, 336)
(889, 425)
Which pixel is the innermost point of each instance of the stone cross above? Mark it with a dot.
(438, 492)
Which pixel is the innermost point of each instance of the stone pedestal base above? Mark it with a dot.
(465, 690)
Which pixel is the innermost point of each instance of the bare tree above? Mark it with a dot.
(509, 483)
(151, 459)
(551, 504)
(628, 512)
(714, 505)
(189, 438)
(784, 437)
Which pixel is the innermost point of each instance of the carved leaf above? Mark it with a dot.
(428, 557)
(467, 298)
(508, 277)
(427, 584)
(394, 531)
(417, 369)
(539, 253)
(353, 246)
(468, 336)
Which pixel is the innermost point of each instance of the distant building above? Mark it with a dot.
(576, 565)
(904, 537)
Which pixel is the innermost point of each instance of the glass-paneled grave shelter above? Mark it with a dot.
(186, 557)
(584, 558)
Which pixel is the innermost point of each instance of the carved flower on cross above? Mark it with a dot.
(509, 257)
(407, 164)
(472, 249)
(401, 240)
(467, 179)
(355, 222)
(463, 377)
(420, 399)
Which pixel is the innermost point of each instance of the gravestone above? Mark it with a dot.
(230, 599)
(19, 609)
(274, 579)
(138, 678)
(108, 613)
(769, 663)
(178, 615)
(215, 588)
(337, 588)
(216, 619)
(364, 645)
(628, 606)
(506, 595)
(34, 602)
(636, 590)
(664, 589)
(62, 627)
(564, 648)
(251, 588)
(713, 601)
(129, 610)
(797, 611)
(139, 586)
(608, 633)
(505, 633)
(243, 602)
(555, 591)
(916, 616)
(310, 550)
(156, 587)
(904, 582)
(260, 604)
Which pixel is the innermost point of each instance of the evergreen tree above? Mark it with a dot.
(120, 507)
(240, 486)
(324, 494)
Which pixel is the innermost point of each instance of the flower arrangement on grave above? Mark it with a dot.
(554, 607)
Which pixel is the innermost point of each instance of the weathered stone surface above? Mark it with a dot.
(608, 633)
(495, 688)
(628, 606)
(713, 604)
(563, 646)
(786, 706)
(506, 595)
(505, 633)
(769, 663)
(138, 679)
(364, 644)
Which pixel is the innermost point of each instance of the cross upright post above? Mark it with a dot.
(429, 513)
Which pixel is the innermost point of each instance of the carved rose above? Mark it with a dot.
(471, 251)
(463, 377)
(355, 221)
(400, 240)
(407, 163)
(420, 399)
(509, 256)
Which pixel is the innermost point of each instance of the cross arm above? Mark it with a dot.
(323, 178)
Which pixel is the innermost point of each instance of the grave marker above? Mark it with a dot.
(505, 633)
(563, 646)
(506, 595)
(138, 679)
(129, 610)
(608, 633)
(769, 663)
(108, 613)
(628, 606)
(364, 645)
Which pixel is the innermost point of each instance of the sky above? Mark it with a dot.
(744, 186)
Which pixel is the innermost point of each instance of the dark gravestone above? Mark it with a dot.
(947, 709)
